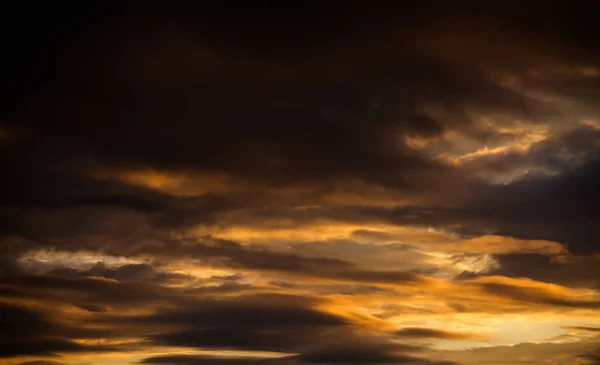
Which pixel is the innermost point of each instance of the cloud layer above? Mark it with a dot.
(334, 183)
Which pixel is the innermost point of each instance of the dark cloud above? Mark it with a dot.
(417, 332)
(553, 155)
(307, 127)
(559, 208)
(23, 323)
(200, 359)
(277, 133)
(94, 294)
(592, 358)
(582, 328)
(572, 271)
(275, 323)
(537, 296)
(46, 347)
(335, 288)
(261, 322)
(28, 332)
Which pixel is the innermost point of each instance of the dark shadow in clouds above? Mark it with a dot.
(592, 359)
(259, 322)
(536, 296)
(562, 208)
(253, 323)
(567, 270)
(130, 90)
(203, 359)
(335, 288)
(432, 333)
(310, 129)
(86, 289)
(47, 347)
(28, 332)
(556, 154)
(96, 294)
(581, 328)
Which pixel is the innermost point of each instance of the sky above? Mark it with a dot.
(300, 183)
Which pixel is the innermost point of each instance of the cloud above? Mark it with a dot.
(583, 328)
(200, 359)
(417, 333)
(592, 359)
(326, 357)
(196, 177)
(225, 253)
(257, 323)
(363, 354)
(343, 355)
(537, 295)
(550, 156)
(568, 270)
(520, 210)
(525, 353)
(28, 332)
(87, 292)
(129, 272)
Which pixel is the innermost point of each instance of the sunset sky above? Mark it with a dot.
(300, 183)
